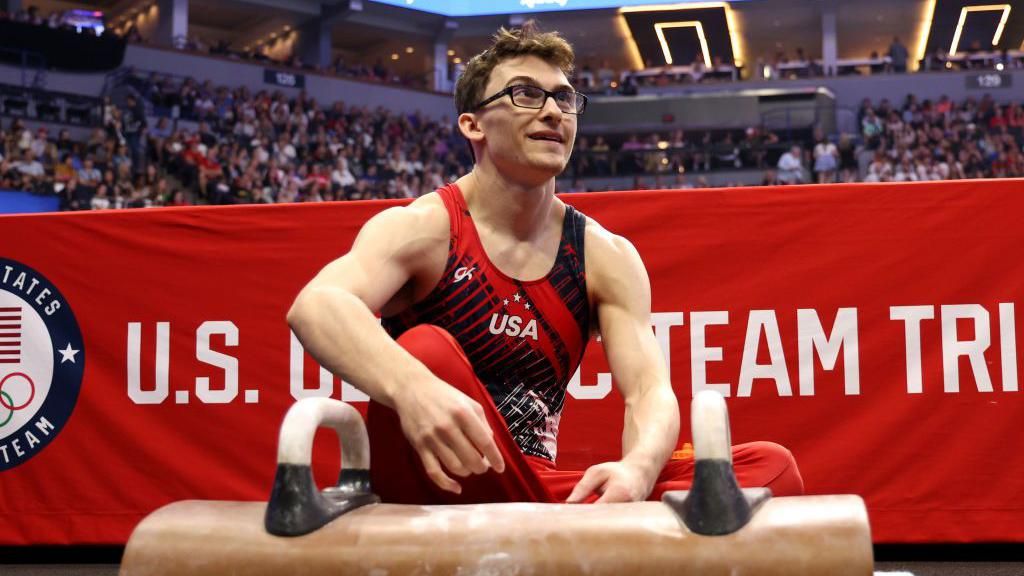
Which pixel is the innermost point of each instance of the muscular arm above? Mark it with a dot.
(333, 317)
(622, 296)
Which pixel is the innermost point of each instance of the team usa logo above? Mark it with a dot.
(514, 324)
(42, 359)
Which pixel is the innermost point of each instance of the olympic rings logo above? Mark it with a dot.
(8, 402)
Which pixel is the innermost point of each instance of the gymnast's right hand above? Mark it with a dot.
(447, 428)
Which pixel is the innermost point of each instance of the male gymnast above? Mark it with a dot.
(489, 289)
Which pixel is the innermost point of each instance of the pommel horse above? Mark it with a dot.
(715, 528)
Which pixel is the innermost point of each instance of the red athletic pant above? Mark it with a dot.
(398, 475)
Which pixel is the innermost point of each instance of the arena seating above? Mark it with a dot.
(216, 144)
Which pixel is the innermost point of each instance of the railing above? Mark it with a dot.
(140, 83)
(30, 63)
(722, 155)
(50, 106)
(114, 79)
(129, 79)
(798, 121)
(792, 118)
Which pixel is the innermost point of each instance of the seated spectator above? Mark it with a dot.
(871, 127)
(880, 169)
(101, 200)
(727, 153)
(905, 172)
(30, 166)
(178, 198)
(65, 170)
(77, 197)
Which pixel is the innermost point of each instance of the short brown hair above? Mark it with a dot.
(527, 40)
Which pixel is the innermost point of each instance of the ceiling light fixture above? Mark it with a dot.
(924, 30)
(730, 21)
(659, 29)
(1005, 8)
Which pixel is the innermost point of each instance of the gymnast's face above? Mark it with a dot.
(529, 143)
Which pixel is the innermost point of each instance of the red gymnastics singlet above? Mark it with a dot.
(523, 339)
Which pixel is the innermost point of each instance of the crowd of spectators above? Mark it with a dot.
(242, 148)
(266, 148)
(202, 143)
(941, 140)
(916, 141)
(95, 174)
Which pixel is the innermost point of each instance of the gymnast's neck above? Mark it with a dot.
(520, 207)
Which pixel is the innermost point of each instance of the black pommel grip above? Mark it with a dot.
(715, 505)
(296, 506)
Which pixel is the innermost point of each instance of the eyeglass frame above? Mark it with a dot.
(547, 94)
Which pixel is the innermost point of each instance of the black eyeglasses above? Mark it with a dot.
(527, 96)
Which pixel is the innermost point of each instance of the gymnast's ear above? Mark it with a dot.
(469, 126)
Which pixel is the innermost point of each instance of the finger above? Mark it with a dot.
(464, 451)
(593, 479)
(447, 457)
(435, 473)
(482, 438)
(614, 494)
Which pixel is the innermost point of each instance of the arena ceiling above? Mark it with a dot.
(762, 27)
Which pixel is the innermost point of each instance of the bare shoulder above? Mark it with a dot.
(413, 239)
(607, 252)
(408, 231)
(614, 267)
(424, 216)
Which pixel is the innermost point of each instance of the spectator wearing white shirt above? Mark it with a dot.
(31, 167)
(101, 201)
(260, 154)
(24, 138)
(905, 172)
(40, 142)
(791, 167)
(341, 176)
(284, 150)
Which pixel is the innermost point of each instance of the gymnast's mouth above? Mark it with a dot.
(547, 135)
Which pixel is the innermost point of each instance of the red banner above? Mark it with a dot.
(144, 355)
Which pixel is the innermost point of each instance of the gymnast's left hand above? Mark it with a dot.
(614, 482)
